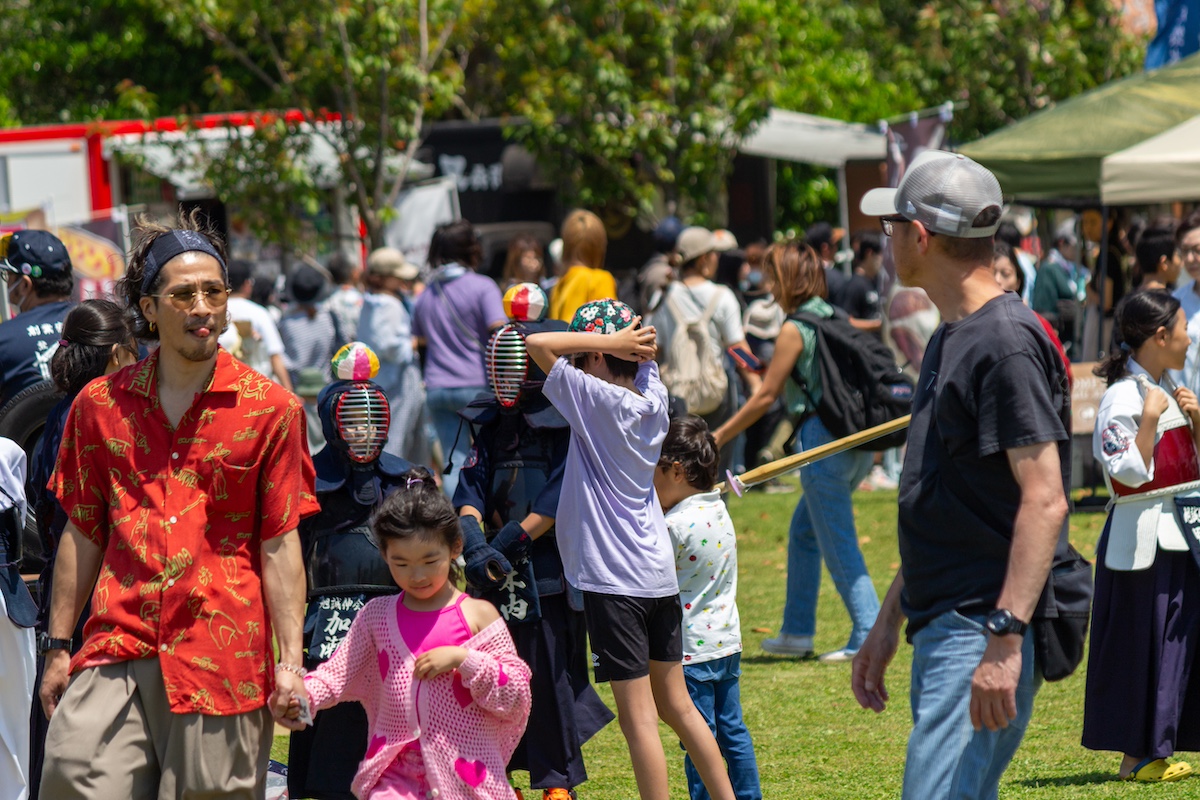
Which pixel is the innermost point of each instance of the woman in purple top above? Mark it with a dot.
(453, 319)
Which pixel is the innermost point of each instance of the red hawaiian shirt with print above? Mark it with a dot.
(180, 515)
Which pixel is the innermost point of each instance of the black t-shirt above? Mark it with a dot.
(27, 342)
(989, 383)
(1114, 270)
(835, 283)
(860, 298)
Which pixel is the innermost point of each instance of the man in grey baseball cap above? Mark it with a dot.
(983, 509)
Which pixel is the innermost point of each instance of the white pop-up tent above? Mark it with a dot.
(794, 136)
(1161, 169)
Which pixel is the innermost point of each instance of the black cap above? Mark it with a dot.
(306, 284)
(37, 254)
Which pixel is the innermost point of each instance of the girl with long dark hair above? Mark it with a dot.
(1142, 687)
(97, 338)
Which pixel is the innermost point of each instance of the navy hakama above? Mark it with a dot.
(1143, 695)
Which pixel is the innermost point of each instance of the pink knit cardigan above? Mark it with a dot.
(468, 721)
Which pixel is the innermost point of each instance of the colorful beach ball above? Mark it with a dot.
(525, 302)
(355, 362)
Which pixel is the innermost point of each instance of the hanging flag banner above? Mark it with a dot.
(1178, 33)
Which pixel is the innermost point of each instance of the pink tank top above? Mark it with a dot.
(425, 630)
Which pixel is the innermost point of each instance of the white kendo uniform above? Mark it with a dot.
(1143, 514)
(16, 642)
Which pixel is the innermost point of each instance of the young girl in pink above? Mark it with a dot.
(446, 695)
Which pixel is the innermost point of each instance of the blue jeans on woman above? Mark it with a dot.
(714, 688)
(443, 405)
(823, 529)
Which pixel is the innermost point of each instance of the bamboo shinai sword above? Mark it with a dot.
(760, 474)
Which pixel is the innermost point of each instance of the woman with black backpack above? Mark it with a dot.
(822, 527)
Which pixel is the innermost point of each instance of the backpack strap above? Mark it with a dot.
(813, 321)
(710, 309)
(672, 303)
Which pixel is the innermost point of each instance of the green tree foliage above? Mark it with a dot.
(1006, 59)
(628, 103)
(997, 60)
(383, 67)
(66, 61)
(835, 60)
(631, 102)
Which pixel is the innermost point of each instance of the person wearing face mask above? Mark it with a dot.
(38, 278)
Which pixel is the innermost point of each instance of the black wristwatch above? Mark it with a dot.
(1002, 622)
(46, 642)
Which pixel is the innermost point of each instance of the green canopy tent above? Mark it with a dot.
(1056, 154)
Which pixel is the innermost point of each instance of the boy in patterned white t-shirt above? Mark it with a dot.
(706, 566)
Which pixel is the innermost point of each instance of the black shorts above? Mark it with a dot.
(627, 633)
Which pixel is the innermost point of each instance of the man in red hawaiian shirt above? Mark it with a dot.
(184, 477)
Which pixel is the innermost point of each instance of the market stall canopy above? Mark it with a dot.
(180, 156)
(793, 136)
(1057, 153)
(1162, 169)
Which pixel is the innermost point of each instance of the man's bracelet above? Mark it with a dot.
(292, 668)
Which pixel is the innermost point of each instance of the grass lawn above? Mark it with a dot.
(811, 738)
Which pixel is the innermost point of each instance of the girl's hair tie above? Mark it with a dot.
(414, 481)
(63, 342)
(1125, 348)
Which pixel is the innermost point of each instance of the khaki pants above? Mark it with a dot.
(113, 737)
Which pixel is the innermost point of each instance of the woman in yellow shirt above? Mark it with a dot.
(585, 279)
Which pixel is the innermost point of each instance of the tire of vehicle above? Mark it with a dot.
(23, 419)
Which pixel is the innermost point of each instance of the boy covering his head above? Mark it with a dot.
(615, 548)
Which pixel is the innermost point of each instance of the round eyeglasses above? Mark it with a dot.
(185, 299)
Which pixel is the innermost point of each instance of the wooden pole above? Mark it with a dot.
(761, 474)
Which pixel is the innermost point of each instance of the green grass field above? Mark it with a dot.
(811, 738)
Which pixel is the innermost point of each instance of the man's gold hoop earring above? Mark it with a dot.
(153, 327)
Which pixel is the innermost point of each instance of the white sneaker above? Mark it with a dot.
(880, 480)
(787, 645)
(837, 656)
(776, 486)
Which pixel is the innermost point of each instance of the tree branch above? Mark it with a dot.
(238, 53)
(277, 58)
(344, 39)
(444, 37)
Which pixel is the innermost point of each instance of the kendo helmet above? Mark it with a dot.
(511, 372)
(354, 411)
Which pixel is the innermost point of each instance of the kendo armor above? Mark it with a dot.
(522, 440)
(353, 477)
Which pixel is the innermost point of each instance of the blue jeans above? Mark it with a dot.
(443, 407)
(713, 686)
(823, 529)
(947, 758)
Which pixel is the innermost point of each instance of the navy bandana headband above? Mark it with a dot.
(172, 244)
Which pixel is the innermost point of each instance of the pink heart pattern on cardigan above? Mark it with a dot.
(472, 772)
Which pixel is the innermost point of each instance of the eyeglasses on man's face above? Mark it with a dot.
(888, 223)
(185, 298)
(1186, 253)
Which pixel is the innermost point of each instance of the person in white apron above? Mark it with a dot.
(1142, 694)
